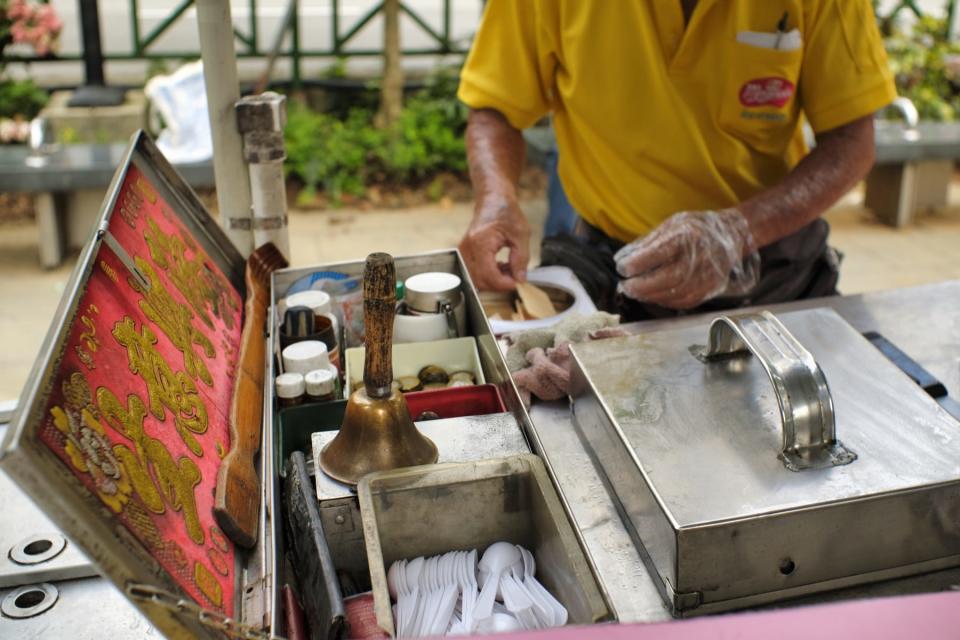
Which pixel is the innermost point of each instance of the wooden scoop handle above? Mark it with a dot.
(379, 304)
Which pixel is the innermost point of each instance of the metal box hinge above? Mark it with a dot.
(210, 619)
(255, 598)
(111, 241)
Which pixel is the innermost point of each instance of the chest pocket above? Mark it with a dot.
(758, 98)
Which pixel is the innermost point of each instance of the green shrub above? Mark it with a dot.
(343, 155)
(21, 98)
(927, 68)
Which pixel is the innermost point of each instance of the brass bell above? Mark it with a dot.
(377, 432)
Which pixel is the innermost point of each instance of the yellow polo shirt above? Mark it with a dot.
(653, 117)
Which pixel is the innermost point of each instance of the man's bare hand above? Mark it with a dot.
(497, 224)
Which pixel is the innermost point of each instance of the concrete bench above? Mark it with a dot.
(913, 169)
(68, 186)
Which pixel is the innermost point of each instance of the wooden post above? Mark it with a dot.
(391, 88)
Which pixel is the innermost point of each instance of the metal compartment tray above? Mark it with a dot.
(432, 509)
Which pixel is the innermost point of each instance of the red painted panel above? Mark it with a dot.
(138, 411)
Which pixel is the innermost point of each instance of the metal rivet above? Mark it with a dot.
(787, 566)
(29, 600)
(339, 519)
(38, 548)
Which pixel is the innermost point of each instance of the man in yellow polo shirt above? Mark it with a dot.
(678, 124)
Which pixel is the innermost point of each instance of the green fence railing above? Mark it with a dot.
(143, 44)
(249, 45)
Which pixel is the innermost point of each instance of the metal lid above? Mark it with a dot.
(290, 385)
(426, 291)
(320, 382)
(711, 435)
(123, 420)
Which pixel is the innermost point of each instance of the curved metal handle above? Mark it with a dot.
(806, 407)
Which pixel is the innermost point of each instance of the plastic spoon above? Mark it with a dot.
(445, 605)
(468, 584)
(541, 608)
(530, 581)
(499, 558)
(518, 602)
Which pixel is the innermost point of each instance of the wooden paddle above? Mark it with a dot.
(536, 302)
(237, 499)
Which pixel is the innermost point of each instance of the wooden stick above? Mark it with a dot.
(236, 503)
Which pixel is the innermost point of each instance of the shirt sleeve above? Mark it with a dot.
(844, 75)
(509, 67)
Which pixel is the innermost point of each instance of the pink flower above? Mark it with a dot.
(33, 24)
(18, 9)
(19, 32)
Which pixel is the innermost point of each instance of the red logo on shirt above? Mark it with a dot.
(766, 91)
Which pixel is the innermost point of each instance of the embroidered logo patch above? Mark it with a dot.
(761, 92)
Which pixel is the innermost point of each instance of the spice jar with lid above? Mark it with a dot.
(291, 389)
(321, 385)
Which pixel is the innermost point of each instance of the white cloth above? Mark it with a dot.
(181, 100)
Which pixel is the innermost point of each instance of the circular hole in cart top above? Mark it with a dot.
(38, 548)
(29, 600)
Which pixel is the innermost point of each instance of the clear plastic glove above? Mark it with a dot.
(690, 258)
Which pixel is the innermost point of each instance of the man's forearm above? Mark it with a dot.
(842, 157)
(495, 151)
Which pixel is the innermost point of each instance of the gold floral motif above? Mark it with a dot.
(166, 389)
(85, 358)
(193, 278)
(111, 273)
(176, 322)
(218, 562)
(172, 482)
(88, 341)
(145, 189)
(219, 539)
(208, 584)
(87, 446)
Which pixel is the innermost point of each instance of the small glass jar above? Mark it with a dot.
(290, 389)
(321, 385)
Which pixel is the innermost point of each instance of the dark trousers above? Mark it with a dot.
(797, 267)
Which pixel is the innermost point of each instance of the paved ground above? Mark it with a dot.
(877, 257)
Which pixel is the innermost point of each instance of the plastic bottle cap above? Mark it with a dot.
(321, 382)
(290, 385)
(318, 301)
(303, 357)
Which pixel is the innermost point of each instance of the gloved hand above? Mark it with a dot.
(690, 258)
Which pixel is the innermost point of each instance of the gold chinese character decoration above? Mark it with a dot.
(196, 281)
(166, 389)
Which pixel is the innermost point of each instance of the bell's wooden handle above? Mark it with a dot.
(379, 303)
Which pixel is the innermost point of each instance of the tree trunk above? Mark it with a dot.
(391, 88)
